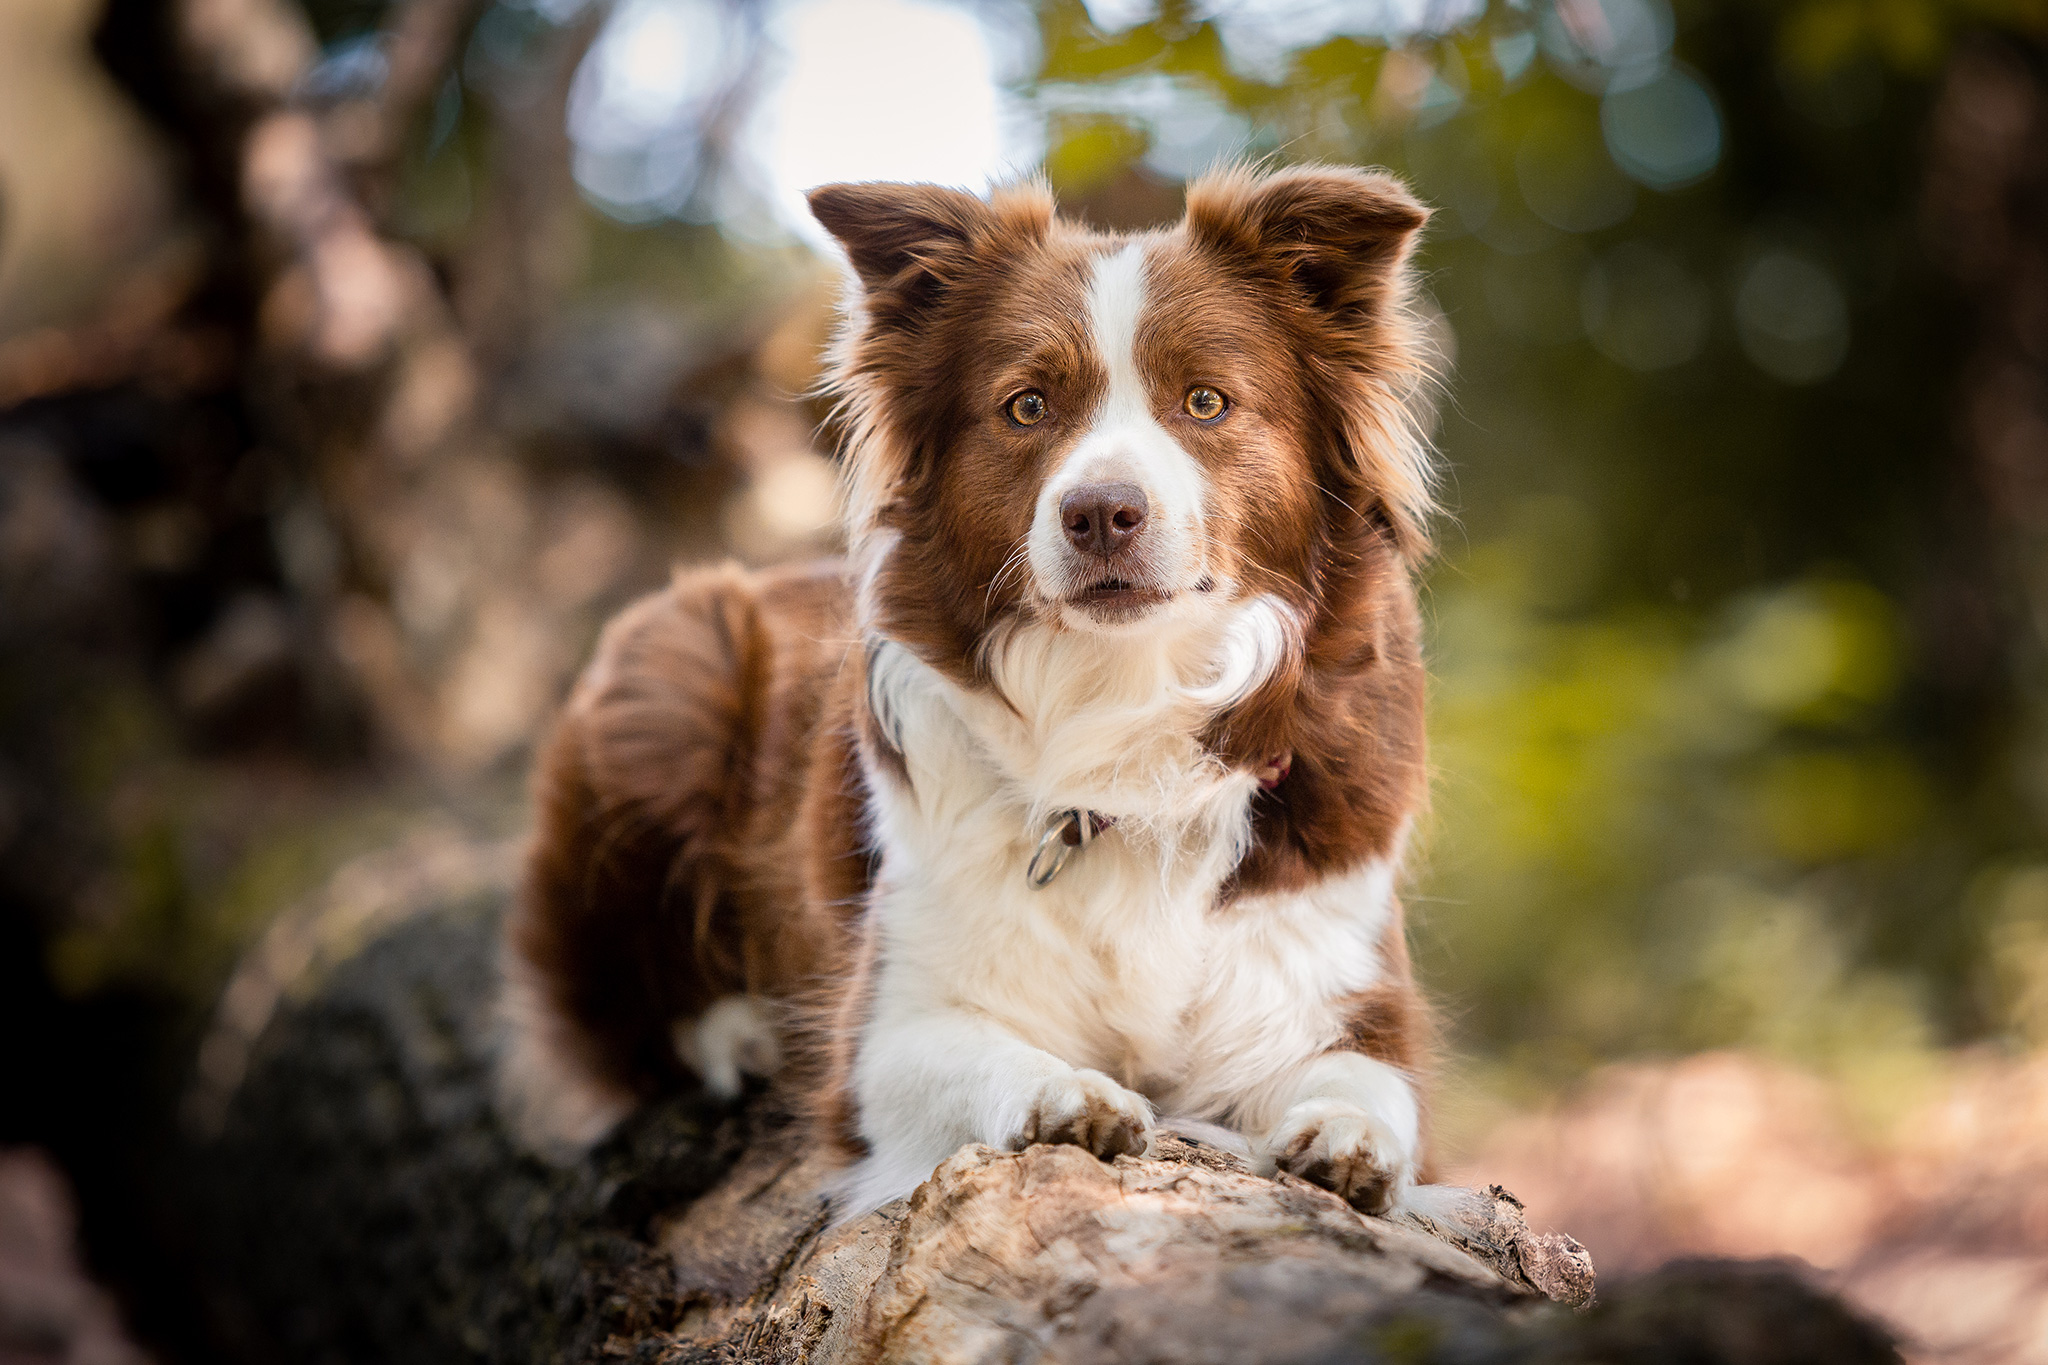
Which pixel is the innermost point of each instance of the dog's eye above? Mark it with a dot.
(1027, 408)
(1204, 404)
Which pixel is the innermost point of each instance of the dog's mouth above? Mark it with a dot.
(1111, 598)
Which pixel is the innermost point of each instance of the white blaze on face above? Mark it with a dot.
(1123, 443)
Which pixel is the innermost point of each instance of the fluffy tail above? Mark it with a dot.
(624, 925)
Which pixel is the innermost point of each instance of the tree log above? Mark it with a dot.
(362, 1203)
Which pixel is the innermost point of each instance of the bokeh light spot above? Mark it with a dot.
(1792, 318)
(1643, 310)
(879, 90)
(1566, 177)
(1512, 53)
(1600, 45)
(1114, 16)
(1260, 37)
(1812, 650)
(1666, 134)
(650, 71)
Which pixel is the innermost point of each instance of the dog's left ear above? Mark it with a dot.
(1337, 242)
(1343, 236)
(910, 244)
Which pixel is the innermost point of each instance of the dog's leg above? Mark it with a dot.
(1351, 1119)
(1353, 1126)
(931, 1080)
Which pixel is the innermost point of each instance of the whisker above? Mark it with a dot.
(1017, 559)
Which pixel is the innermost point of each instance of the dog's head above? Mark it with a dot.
(1104, 430)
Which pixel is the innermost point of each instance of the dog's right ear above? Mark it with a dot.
(909, 243)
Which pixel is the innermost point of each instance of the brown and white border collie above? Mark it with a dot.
(1078, 793)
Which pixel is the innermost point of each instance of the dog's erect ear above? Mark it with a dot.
(1342, 235)
(1340, 240)
(908, 242)
(888, 228)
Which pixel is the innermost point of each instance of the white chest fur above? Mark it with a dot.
(1125, 963)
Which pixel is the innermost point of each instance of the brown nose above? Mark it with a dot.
(1103, 518)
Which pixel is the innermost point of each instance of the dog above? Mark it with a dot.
(1077, 794)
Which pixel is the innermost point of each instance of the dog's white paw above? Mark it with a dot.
(735, 1037)
(1345, 1149)
(1089, 1110)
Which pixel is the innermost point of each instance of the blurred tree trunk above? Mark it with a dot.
(416, 526)
(447, 583)
(1985, 221)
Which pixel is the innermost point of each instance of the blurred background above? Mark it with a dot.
(358, 358)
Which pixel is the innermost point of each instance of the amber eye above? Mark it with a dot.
(1204, 404)
(1027, 409)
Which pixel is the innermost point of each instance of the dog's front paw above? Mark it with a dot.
(1087, 1109)
(1344, 1149)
